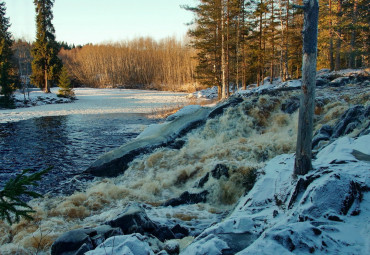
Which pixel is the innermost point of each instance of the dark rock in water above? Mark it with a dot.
(70, 242)
(116, 161)
(202, 181)
(291, 105)
(188, 198)
(233, 101)
(179, 231)
(349, 120)
(219, 171)
(323, 134)
(133, 220)
(163, 233)
(80, 241)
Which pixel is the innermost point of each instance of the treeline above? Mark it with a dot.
(139, 63)
(244, 41)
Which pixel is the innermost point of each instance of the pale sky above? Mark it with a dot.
(96, 21)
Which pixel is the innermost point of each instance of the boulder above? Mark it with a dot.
(179, 231)
(116, 161)
(291, 105)
(219, 171)
(323, 134)
(81, 240)
(187, 198)
(71, 241)
(133, 220)
(350, 120)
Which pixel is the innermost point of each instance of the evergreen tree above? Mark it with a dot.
(45, 65)
(12, 204)
(8, 78)
(65, 84)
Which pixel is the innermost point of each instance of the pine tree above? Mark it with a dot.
(8, 78)
(65, 84)
(45, 65)
(12, 204)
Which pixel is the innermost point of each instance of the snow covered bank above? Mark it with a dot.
(96, 101)
(326, 211)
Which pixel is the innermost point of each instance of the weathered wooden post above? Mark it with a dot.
(303, 160)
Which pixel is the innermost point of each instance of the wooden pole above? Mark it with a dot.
(303, 160)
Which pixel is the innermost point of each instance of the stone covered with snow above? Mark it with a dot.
(322, 212)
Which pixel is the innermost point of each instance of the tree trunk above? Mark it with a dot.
(352, 60)
(303, 160)
(47, 87)
(331, 49)
(339, 39)
(223, 53)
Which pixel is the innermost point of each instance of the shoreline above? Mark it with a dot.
(97, 101)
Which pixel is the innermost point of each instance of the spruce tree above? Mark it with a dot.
(45, 65)
(8, 78)
(65, 84)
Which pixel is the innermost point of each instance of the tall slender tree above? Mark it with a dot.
(8, 78)
(303, 160)
(45, 65)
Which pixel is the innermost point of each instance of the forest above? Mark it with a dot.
(254, 39)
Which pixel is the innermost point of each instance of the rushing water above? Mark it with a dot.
(68, 143)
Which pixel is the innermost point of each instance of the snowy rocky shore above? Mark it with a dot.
(219, 181)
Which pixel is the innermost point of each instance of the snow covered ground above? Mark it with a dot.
(95, 101)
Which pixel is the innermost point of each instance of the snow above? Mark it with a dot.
(95, 101)
(304, 226)
(209, 245)
(209, 93)
(124, 245)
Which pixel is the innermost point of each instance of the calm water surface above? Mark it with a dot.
(69, 143)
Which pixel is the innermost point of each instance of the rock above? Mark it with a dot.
(126, 244)
(172, 247)
(321, 82)
(116, 161)
(163, 233)
(323, 134)
(71, 241)
(219, 171)
(341, 81)
(291, 105)
(188, 198)
(179, 231)
(219, 109)
(81, 240)
(133, 220)
(349, 120)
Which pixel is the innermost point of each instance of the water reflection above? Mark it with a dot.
(69, 143)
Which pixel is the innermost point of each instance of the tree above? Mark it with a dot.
(8, 78)
(45, 65)
(12, 205)
(65, 84)
(303, 160)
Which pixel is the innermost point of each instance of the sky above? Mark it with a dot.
(97, 21)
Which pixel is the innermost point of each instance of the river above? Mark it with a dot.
(69, 143)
